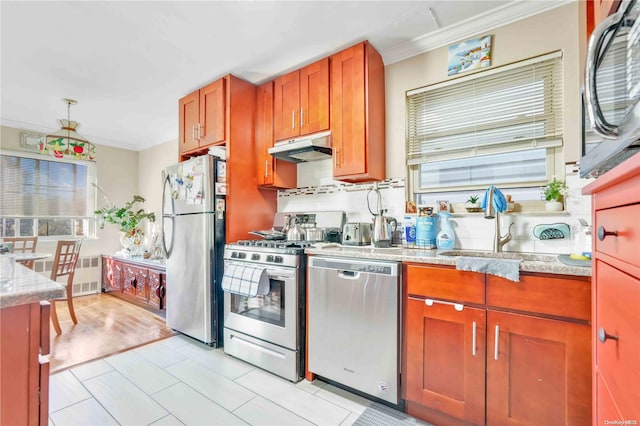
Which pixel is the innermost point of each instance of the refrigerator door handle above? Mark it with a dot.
(168, 249)
(167, 188)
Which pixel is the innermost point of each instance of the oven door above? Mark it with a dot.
(272, 317)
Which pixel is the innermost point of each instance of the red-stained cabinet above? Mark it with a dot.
(358, 114)
(616, 294)
(301, 101)
(271, 173)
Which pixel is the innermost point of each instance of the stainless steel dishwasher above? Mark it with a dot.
(354, 323)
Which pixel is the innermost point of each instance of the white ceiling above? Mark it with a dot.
(128, 62)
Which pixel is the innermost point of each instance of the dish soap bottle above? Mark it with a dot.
(446, 238)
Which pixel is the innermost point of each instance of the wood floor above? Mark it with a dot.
(106, 325)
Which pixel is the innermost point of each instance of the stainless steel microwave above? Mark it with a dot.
(612, 92)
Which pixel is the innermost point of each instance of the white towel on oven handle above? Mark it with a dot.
(245, 279)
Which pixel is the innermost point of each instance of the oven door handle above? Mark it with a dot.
(278, 276)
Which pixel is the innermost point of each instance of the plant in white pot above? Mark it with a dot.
(553, 193)
(128, 220)
(473, 204)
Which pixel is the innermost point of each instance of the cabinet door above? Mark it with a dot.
(189, 111)
(537, 371)
(111, 274)
(271, 172)
(314, 97)
(212, 114)
(135, 282)
(286, 106)
(156, 288)
(445, 370)
(348, 111)
(264, 133)
(617, 362)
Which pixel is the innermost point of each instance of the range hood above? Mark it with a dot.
(305, 148)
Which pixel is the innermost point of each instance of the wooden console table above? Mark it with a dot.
(137, 280)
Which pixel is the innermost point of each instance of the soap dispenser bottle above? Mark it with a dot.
(446, 238)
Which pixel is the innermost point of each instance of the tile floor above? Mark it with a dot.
(180, 381)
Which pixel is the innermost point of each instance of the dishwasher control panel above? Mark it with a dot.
(356, 266)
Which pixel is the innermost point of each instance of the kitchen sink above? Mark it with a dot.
(532, 257)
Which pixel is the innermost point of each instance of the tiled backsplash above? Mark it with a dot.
(473, 231)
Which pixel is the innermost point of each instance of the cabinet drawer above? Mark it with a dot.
(618, 297)
(563, 297)
(623, 221)
(445, 283)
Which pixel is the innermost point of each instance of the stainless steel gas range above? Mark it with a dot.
(267, 330)
(267, 327)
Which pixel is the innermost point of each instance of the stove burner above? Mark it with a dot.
(274, 244)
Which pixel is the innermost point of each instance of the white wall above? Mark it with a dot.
(558, 29)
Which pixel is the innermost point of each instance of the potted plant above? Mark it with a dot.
(473, 204)
(128, 220)
(553, 192)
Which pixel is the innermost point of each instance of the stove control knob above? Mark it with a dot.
(234, 254)
(242, 255)
(270, 258)
(255, 256)
(278, 259)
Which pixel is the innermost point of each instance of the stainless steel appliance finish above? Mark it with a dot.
(612, 91)
(306, 148)
(268, 330)
(354, 324)
(194, 235)
(357, 234)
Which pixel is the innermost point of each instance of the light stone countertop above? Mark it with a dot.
(28, 286)
(532, 262)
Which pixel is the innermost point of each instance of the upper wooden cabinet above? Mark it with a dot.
(202, 117)
(270, 172)
(358, 114)
(301, 101)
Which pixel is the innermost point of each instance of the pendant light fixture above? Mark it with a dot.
(68, 142)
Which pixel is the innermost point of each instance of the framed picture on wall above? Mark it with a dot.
(469, 55)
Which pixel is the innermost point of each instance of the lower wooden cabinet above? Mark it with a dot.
(616, 294)
(537, 371)
(445, 346)
(486, 362)
(136, 281)
(24, 364)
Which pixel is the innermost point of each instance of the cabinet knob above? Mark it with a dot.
(602, 233)
(603, 335)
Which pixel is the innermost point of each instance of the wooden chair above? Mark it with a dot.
(23, 245)
(64, 263)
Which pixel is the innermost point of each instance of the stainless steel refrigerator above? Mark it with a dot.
(193, 222)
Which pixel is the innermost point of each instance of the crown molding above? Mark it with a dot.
(495, 18)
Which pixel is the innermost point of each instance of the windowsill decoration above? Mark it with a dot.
(554, 193)
(473, 205)
(128, 220)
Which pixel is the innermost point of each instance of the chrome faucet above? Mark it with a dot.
(490, 212)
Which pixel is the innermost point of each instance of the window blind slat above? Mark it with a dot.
(503, 111)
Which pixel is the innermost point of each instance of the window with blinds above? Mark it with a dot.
(46, 198)
(492, 127)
